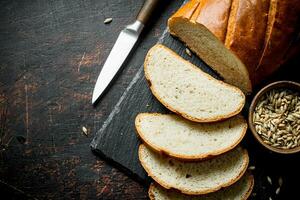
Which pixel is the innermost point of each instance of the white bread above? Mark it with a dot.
(240, 190)
(202, 25)
(188, 91)
(183, 139)
(195, 177)
(258, 35)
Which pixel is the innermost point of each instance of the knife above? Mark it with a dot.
(121, 49)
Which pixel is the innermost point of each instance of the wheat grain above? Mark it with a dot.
(277, 118)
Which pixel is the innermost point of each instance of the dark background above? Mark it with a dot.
(51, 53)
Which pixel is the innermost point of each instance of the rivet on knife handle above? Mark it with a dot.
(147, 10)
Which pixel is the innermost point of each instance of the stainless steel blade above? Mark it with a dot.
(117, 56)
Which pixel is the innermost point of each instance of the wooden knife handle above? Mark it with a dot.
(147, 10)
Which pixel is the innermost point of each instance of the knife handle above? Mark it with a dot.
(147, 10)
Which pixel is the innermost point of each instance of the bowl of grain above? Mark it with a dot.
(274, 117)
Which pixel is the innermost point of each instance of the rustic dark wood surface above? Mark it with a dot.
(51, 53)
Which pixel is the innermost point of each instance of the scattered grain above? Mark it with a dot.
(85, 131)
(188, 52)
(107, 20)
(269, 180)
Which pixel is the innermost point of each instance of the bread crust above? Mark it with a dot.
(214, 15)
(283, 27)
(196, 69)
(186, 191)
(188, 9)
(248, 193)
(262, 37)
(180, 156)
(246, 31)
(250, 180)
(206, 15)
(211, 13)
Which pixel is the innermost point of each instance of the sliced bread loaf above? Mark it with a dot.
(195, 177)
(246, 31)
(202, 25)
(214, 15)
(188, 140)
(185, 89)
(283, 26)
(240, 190)
(259, 33)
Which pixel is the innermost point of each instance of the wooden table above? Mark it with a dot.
(51, 53)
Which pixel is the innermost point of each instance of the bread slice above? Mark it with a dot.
(202, 26)
(246, 31)
(185, 89)
(240, 190)
(182, 139)
(195, 177)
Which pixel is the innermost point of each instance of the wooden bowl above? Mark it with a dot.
(279, 84)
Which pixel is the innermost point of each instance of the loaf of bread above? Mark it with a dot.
(281, 38)
(206, 37)
(195, 177)
(246, 32)
(188, 91)
(240, 190)
(256, 35)
(186, 140)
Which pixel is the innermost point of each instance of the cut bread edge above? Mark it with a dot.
(246, 87)
(185, 157)
(198, 70)
(245, 196)
(186, 191)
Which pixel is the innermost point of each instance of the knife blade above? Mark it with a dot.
(121, 49)
(117, 56)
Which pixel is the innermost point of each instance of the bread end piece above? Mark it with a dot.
(188, 26)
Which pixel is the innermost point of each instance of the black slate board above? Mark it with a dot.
(118, 143)
(117, 140)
